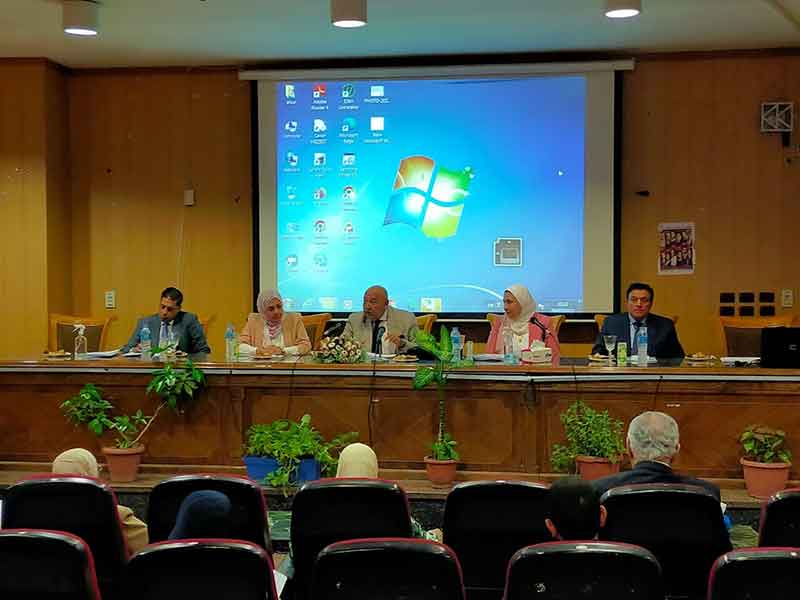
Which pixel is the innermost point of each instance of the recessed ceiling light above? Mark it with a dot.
(623, 9)
(80, 17)
(349, 13)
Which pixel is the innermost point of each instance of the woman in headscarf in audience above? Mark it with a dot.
(526, 325)
(272, 332)
(203, 514)
(79, 461)
(359, 460)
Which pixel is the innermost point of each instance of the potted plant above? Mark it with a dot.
(440, 466)
(287, 452)
(594, 442)
(175, 386)
(766, 461)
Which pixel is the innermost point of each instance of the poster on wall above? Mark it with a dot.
(676, 252)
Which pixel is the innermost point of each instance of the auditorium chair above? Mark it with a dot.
(756, 574)
(779, 524)
(82, 506)
(681, 525)
(425, 322)
(387, 568)
(61, 334)
(201, 569)
(743, 334)
(315, 327)
(248, 508)
(333, 510)
(45, 565)
(486, 522)
(556, 321)
(584, 569)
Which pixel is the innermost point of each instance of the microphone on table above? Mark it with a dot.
(329, 332)
(540, 325)
(377, 343)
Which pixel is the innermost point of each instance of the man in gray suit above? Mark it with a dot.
(380, 328)
(170, 320)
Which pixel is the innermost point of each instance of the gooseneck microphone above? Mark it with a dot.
(377, 343)
(331, 330)
(540, 325)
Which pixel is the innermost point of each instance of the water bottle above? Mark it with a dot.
(230, 344)
(145, 343)
(509, 357)
(455, 340)
(641, 343)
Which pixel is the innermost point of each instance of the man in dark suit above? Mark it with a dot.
(653, 441)
(662, 339)
(170, 322)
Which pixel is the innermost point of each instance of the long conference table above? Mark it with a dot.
(505, 418)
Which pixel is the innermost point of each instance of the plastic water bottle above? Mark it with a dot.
(641, 344)
(509, 357)
(455, 340)
(230, 344)
(145, 343)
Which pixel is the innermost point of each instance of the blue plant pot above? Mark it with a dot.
(307, 470)
(259, 467)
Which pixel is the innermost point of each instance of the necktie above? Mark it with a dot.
(635, 340)
(375, 340)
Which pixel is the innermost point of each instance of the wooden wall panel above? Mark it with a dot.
(23, 231)
(691, 137)
(138, 140)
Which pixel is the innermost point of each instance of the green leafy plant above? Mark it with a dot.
(589, 432)
(443, 447)
(88, 407)
(289, 441)
(765, 445)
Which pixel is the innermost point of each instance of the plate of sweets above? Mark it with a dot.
(59, 354)
(700, 358)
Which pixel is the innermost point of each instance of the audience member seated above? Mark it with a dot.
(171, 324)
(574, 510)
(653, 441)
(526, 325)
(271, 331)
(399, 327)
(79, 461)
(662, 339)
(203, 514)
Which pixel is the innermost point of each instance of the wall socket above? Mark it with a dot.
(111, 299)
(188, 197)
(787, 298)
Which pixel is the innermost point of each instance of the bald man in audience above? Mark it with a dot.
(574, 510)
(653, 441)
(381, 328)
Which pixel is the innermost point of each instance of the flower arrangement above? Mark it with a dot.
(339, 350)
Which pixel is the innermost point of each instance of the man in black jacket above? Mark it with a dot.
(653, 441)
(662, 339)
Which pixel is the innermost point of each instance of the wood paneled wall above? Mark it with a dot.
(138, 139)
(692, 139)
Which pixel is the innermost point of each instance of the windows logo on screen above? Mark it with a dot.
(428, 197)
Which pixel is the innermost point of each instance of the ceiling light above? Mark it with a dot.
(349, 13)
(80, 17)
(622, 9)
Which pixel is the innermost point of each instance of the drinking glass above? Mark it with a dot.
(610, 341)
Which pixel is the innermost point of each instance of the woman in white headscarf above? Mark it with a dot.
(79, 461)
(272, 332)
(526, 325)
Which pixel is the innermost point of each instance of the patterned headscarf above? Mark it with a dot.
(264, 298)
(520, 325)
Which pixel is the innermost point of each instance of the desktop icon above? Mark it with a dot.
(348, 90)
(319, 90)
(376, 123)
(290, 126)
(320, 159)
(428, 197)
(291, 261)
(320, 193)
(291, 192)
(348, 159)
(321, 259)
(288, 91)
(292, 227)
(347, 304)
(319, 126)
(349, 228)
(320, 226)
(348, 125)
(292, 159)
(349, 193)
(376, 91)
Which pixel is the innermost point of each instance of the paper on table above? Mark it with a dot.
(105, 354)
(487, 357)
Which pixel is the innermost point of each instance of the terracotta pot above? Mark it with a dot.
(123, 463)
(441, 473)
(594, 467)
(764, 479)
